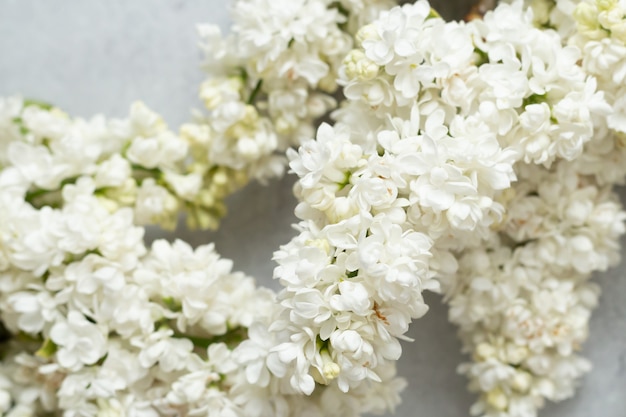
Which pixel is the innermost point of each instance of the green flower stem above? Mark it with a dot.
(255, 92)
(31, 196)
(231, 338)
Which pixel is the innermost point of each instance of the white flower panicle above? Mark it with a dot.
(474, 159)
(94, 323)
(274, 75)
(441, 121)
(516, 78)
(135, 162)
(340, 308)
(601, 35)
(524, 301)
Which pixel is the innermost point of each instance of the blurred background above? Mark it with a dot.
(100, 56)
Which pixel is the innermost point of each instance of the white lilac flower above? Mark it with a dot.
(523, 308)
(129, 311)
(108, 344)
(128, 159)
(475, 159)
(115, 327)
(155, 204)
(502, 62)
(574, 221)
(271, 77)
(523, 334)
(29, 243)
(80, 342)
(442, 170)
(30, 311)
(10, 108)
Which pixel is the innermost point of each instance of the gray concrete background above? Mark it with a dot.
(98, 56)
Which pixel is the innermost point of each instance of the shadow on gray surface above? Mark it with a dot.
(259, 220)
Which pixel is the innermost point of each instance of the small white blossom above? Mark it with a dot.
(80, 341)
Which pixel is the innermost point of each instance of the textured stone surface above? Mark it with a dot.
(99, 56)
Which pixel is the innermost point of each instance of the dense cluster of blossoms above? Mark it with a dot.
(474, 159)
(273, 76)
(135, 162)
(523, 300)
(94, 322)
(469, 158)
